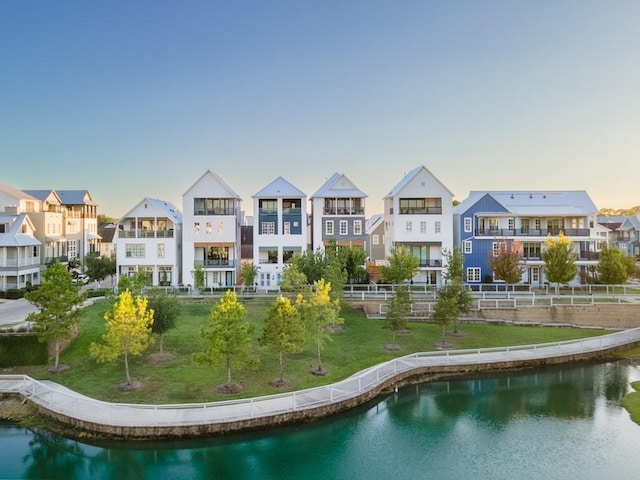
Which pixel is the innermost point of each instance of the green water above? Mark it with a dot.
(561, 423)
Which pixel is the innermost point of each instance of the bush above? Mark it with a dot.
(22, 349)
(13, 293)
(100, 292)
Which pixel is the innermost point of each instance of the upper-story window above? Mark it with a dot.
(467, 224)
(344, 227)
(467, 247)
(437, 226)
(413, 206)
(328, 227)
(423, 227)
(375, 239)
(268, 228)
(213, 206)
(268, 207)
(343, 206)
(408, 227)
(357, 227)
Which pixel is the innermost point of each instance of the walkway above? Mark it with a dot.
(59, 400)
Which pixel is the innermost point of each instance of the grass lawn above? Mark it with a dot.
(360, 345)
(632, 403)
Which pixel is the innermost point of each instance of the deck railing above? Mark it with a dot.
(68, 403)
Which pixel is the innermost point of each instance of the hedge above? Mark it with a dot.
(22, 349)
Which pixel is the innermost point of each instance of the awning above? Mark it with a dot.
(55, 238)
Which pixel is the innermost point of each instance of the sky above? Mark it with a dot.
(133, 99)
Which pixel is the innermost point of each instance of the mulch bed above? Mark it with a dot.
(320, 372)
(59, 369)
(156, 358)
(392, 347)
(281, 383)
(129, 387)
(229, 388)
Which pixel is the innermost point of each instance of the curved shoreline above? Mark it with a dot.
(84, 417)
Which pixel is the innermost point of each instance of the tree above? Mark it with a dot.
(559, 260)
(57, 298)
(128, 331)
(283, 331)
(293, 280)
(398, 307)
(454, 287)
(336, 276)
(249, 272)
(354, 265)
(198, 276)
(612, 268)
(98, 267)
(507, 262)
(166, 310)
(445, 312)
(312, 264)
(227, 340)
(318, 311)
(402, 265)
(134, 283)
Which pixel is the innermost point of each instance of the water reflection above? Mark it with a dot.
(465, 428)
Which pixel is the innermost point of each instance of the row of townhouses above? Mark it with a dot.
(210, 230)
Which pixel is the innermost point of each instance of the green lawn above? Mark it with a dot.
(360, 345)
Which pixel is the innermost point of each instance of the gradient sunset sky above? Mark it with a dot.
(129, 99)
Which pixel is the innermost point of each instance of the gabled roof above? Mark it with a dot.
(530, 202)
(44, 195)
(14, 237)
(75, 197)
(620, 222)
(339, 186)
(165, 208)
(409, 176)
(280, 188)
(107, 232)
(219, 180)
(14, 192)
(372, 223)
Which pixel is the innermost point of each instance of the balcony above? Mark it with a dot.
(60, 258)
(220, 263)
(214, 211)
(530, 232)
(429, 263)
(145, 233)
(421, 211)
(343, 211)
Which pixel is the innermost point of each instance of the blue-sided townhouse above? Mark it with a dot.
(487, 219)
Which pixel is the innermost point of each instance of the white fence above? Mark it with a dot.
(71, 404)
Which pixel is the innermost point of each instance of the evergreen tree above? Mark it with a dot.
(398, 307)
(612, 268)
(166, 310)
(57, 299)
(227, 339)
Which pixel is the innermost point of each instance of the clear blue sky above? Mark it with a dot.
(139, 98)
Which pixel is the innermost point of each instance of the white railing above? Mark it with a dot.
(65, 402)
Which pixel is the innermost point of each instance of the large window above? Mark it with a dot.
(473, 274)
(413, 206)
(134, 250)
(268, 207)
(213, 206)
(344, 227)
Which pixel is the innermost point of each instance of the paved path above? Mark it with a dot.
(14, 312)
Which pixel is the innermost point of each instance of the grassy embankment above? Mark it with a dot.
(181, 380)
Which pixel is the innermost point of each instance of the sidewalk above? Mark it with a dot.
(14, 312)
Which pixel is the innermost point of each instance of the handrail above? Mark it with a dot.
(65, 402)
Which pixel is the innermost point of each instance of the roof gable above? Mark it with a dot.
(412, 176)
(213, 180)
(338, 185)
(75, 197)
(154, 207)
(523, 203)
(280, 188)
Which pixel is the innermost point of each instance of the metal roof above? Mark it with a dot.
(280, 188)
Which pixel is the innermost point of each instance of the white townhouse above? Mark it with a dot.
(49, 223)
(279, 229)
(418, 215)
(337, 211)
(80, 223)
(211, 232)
(149, 239)
(19, 250)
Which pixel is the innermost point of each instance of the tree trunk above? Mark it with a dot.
(228, 370)
(444, 331)
(319, 360)
(161, 344)
(126, 367)
(281, 368)
(57, 360)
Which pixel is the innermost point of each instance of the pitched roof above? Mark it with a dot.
(166, 208)
(372, 223)
(532, 202)
(16, 193)
(410, 175)
(75, 197)
(338, 185)
(14, 237)
(219, 180)
(280, 188)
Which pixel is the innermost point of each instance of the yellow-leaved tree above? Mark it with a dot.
(128, 331)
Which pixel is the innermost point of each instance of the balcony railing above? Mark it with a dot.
(343, 211)
(23, 262)
(216, 263)
(421, 211)
(429, 263)
(60, 258)
(215, 211)
(146, 233)
(530, 232)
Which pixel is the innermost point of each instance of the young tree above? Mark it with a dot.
(318, 311)
(57, 298)
(198, 276)
(445, 312)
(454, 284)
(134, 283)
(228, 338)
(283, 331)
(559, 260)
(166, 310)
(398, 307)
(612, 269)
(402, 265)
(98, 267)
(128, 331)
(249, 272)
(455, 265)
(507, 262)
(293, 280)
(312, 264)
(354, 265)
(336, 276)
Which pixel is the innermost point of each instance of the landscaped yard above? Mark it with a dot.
(361, 344)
